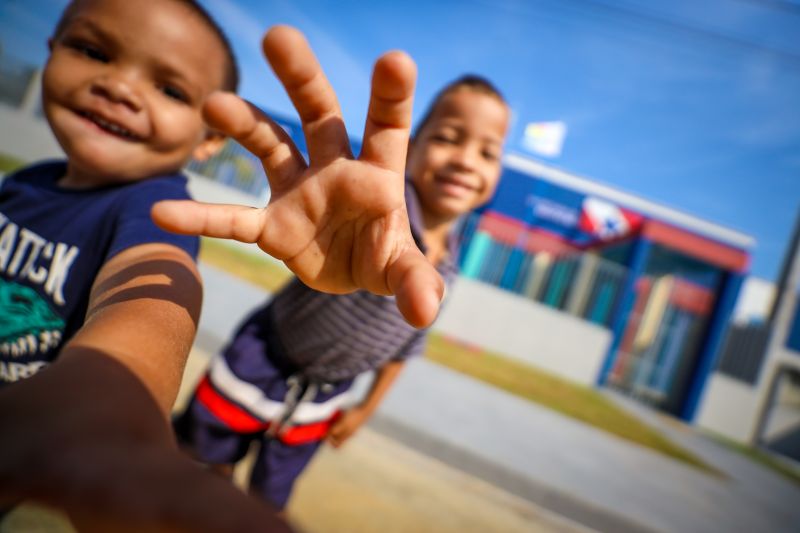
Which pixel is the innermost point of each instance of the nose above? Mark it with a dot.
(118, 88)
(466, 157)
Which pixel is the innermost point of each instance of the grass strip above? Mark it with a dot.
(570, 399)
(9, 163)
(762, 457)
(255, 268)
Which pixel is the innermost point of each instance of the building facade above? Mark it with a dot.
(663, 282)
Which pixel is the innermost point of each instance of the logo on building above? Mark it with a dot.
(544, 209)
(606, 220)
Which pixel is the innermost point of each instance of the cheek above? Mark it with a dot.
(178, 127)
(428, 164)
(51, 89)
(63, 74)
(416, 167)
(54, 99)
(491, 182)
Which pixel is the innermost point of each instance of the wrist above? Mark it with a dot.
(362, 411)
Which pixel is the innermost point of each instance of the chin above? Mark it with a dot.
(458, 206)
(452, 212)
(106, 170)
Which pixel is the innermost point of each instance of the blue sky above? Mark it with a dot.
(695, 105)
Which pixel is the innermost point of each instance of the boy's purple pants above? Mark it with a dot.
(251, 395)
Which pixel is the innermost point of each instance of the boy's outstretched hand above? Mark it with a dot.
(339, 223)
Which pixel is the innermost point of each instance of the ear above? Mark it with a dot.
(209, 146)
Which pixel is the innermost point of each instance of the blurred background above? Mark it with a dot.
(622, 351)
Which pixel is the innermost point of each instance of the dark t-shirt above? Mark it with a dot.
(53, 242)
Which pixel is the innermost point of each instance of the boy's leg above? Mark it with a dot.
(207, 439)
(279, 464)
(277, 467)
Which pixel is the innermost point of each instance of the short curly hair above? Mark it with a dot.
(470, 82)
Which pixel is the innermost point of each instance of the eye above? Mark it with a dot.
(174, 93)
(444, 138)
(490, 156)
(93, 52)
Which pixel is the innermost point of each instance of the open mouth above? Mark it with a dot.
(110, 127)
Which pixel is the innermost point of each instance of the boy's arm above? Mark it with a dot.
(90, 434)
(354, 418)
(338, 222)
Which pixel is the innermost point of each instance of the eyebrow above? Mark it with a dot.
(452, 122)
(85, 23)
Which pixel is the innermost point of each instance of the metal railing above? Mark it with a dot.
(743, 352)
(235, 167)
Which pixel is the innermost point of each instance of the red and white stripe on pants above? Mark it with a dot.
(244, 408)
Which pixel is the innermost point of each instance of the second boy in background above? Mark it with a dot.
(283, 380)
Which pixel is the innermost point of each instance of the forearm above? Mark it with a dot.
(155, 355)
(384, 379)
(115, 380)
(86, 436)
(144, 311)
(83, 402)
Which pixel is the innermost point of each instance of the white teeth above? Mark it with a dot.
(109, 126)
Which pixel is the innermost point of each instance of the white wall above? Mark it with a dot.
(206, 190)
(26, 137)
(504, 322)
(754, 302)
(728, 407)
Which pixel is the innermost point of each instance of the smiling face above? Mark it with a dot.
(124, 87)
(454, 160)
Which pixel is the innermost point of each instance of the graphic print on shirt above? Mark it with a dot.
(30, 327)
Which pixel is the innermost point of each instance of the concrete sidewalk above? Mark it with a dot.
(555, 462)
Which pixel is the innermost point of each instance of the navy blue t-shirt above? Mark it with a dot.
(53, 242)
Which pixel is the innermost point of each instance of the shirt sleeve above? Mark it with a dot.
(414, 347)
(134, 225)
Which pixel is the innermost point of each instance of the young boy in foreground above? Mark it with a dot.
(88, 386)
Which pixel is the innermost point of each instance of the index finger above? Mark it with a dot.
(389, 116)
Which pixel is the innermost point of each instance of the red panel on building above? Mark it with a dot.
(696, 246)
(512, 232)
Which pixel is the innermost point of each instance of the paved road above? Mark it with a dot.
(573, 469)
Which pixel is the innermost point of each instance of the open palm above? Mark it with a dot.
(339, 223)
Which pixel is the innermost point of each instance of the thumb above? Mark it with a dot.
(417, 286)
(188, 217)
